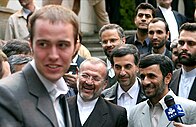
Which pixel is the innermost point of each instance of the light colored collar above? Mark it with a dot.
(132, 92)
(84, 103)
(190, 73)
(162, 102)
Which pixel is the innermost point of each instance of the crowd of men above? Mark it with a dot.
(46, 82)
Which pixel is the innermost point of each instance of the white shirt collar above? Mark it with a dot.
(190, 73)
(132, 92)
(85, 108)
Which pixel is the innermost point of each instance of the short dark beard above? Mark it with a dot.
(191, 61)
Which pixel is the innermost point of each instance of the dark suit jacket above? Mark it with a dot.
(110, 94)
(25, 102)
(167, 53)
(180, 19)
(79, 60)
(104, 114)
(174, 84)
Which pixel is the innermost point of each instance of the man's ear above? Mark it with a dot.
(168, 78)
(124, 40)
(77, 47)
(168, 33)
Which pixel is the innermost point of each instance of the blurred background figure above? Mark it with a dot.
(174, 50)
(189, 8)
(173, 18)
(17, 62)
(17, 22)
(17, 46)
(145, 12)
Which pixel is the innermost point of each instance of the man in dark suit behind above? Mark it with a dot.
(127, 91)
(143, 15)
(88, 108)
(30, 98)
(158, 33)
(173, 18)
(183, 82)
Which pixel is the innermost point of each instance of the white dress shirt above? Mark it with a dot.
(85, 108)
(186, 82)
(54, 90)
(171, 21)
(128, 99)
(111, 72)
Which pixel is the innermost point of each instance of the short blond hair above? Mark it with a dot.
(54, 13)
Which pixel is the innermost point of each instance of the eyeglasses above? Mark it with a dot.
(94, 79)
(111, 41)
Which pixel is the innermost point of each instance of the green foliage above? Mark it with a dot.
(127, 11)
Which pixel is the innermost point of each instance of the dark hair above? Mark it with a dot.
(165, 63)
(16, 46)
(154, 20)
(145, 6)
(188, 27)
(125, 49)
(111, 27)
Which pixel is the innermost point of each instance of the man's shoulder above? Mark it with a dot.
(130, 39)
(110, 91)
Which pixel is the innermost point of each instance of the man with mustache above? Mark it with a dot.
(127, 91)
(88, 108)
(144, 14)
(183, 82)
(158, 33)
(111, 35)
(155, 72)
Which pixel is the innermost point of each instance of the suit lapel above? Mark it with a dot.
(99, 113)
(141, 97)
(73, 110)
(35, 86)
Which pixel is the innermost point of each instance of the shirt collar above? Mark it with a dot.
(132, 92)
(109, 65)
(162, 102)
(190, 73)
(82, 103)
(54, 89)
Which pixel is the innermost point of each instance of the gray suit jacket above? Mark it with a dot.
(140, 114)
(174, 84)
(25, 102)
(104, 114)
